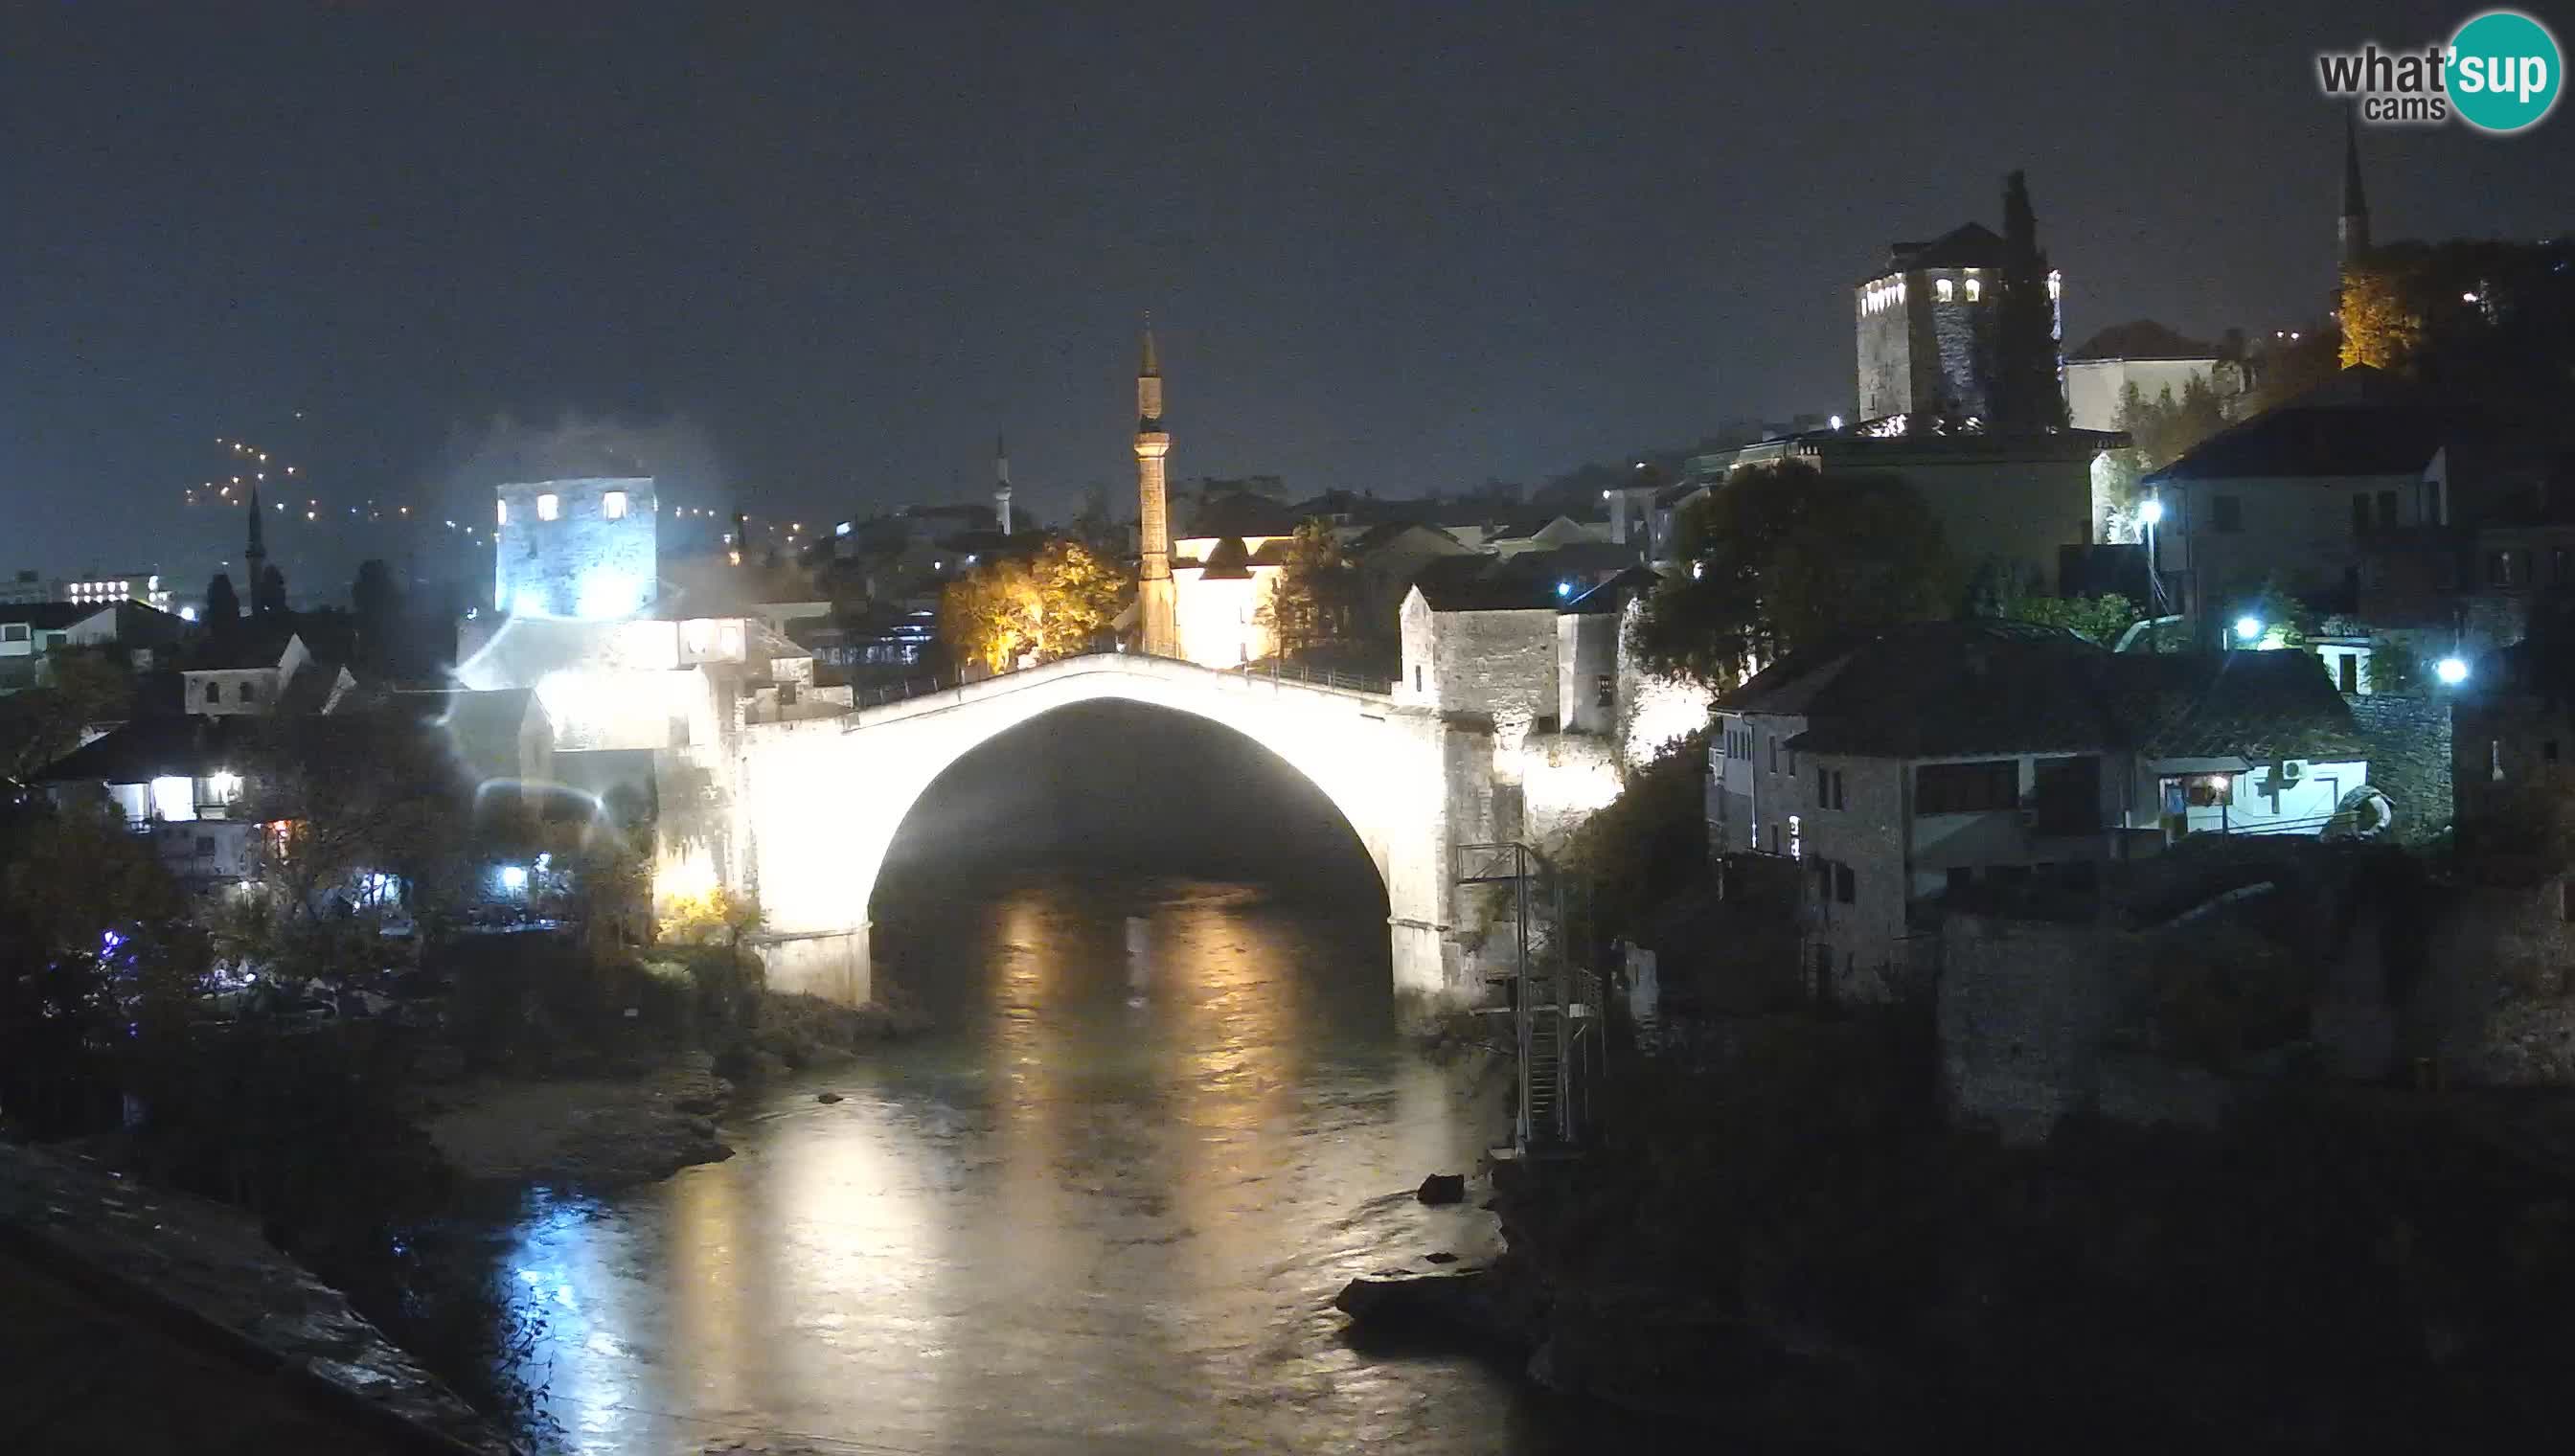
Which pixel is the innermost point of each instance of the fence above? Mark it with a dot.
(907, 689)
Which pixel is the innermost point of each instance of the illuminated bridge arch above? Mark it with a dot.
(818, 801)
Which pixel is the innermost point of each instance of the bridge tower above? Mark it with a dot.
(1156, 603)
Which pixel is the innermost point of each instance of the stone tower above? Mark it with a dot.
(1156, 603)
(2351, 230)
(1001, 482)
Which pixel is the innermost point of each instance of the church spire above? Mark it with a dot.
(2351, 230)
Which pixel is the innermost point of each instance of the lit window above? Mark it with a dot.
(549, 506)
(613, 506)
(2057, 288)
(1947, 288)
(502, 516)
(1975, 289)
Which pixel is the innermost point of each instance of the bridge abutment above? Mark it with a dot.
(833, 964)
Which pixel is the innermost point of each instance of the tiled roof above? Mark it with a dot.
(1486, 583)
(1940, 689)
(2142, 339)
(1239, 513)
(1970, 244)
(2357, 423)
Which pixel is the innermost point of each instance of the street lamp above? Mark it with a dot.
(2151, 512)
(2248, 628)
(2451, 671)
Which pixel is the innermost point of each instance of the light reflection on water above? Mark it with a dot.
(1106, 1207)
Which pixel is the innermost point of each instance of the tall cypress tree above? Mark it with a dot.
(223, 604)
(2026, 394)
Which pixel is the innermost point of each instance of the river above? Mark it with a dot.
(1104, 1207)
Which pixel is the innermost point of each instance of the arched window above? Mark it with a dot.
(250, 692)
(1975, 289)
(1945, 288)
(214, 692)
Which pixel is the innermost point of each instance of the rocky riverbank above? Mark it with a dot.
(589, 1133)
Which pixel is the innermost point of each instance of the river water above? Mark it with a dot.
(1104, 1207)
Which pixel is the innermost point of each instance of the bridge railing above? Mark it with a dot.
(1278, 672)
(905, 690)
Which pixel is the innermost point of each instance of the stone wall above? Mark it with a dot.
(582, 564)
(2409, 757)
(1885, 358)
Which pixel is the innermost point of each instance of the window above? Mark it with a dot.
(1945, 288)
(2065, 793)
(2361, 515)
(2387, 509)
(501, 513)
(2198, 790)
(249, 693)
(205, 846)
(611, 506)
(214, 692)
(1975, 289)
(2498, 569)
(1605, 689)
(1846, 883)
(13, 631)
(1416, 677)
(2561, 567)
(549, 506)
(1774, 755)
(2226, 514)
(2347, 674)
(1953, 789)
(1837, 788)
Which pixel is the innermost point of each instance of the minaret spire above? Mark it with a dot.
(1156, 603)
(1001, 482)
(2351, 230)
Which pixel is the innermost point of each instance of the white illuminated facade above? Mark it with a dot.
(579, 550)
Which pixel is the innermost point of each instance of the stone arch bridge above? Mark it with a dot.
(816, 801)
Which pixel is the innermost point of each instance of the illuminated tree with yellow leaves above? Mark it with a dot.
(2380, 325)
(1053, 606)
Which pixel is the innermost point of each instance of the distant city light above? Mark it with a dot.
(2467, 298)
(2451, 671)
(187, 614)
(1838, 422)
(1565, 588)
(2248, 628)
(2151, 512)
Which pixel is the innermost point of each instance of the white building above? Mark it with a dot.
(258, 670)
(581, 549)
(1959, 761)
(1225, 578)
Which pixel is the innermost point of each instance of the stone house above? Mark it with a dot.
(259, 668)
(1949, 762)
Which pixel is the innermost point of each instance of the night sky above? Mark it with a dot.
(1389, 248)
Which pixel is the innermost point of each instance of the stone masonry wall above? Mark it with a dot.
(2409, 757)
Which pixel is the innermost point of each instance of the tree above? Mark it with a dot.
(2027, 392)
(2164, 430)
(223, 604)
(375, 603)
(1779, 557)
(267, 594)
(2381, 324)
(1309, 606)
(84, 686)
(1053, 606)
(2101, 619)
(98, 956)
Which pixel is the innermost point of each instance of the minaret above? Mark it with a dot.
(255, 558)
(1001, 482)
(2351, 230)
(1156, 611)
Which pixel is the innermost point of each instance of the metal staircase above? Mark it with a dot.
(1552, 1006)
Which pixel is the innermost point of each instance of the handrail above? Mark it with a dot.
(911, 688)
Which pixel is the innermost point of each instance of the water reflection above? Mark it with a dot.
(1099, 1210)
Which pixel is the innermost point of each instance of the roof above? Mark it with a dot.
(2141, 339)
(252, 642)
(166, 746)
(1486, 584)
(2360, 422)
(1954, 688)
(1226, 561)
(1241, 513)
(1970, 244)
(1388, 531)
(1615, 594)
(49, 615)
